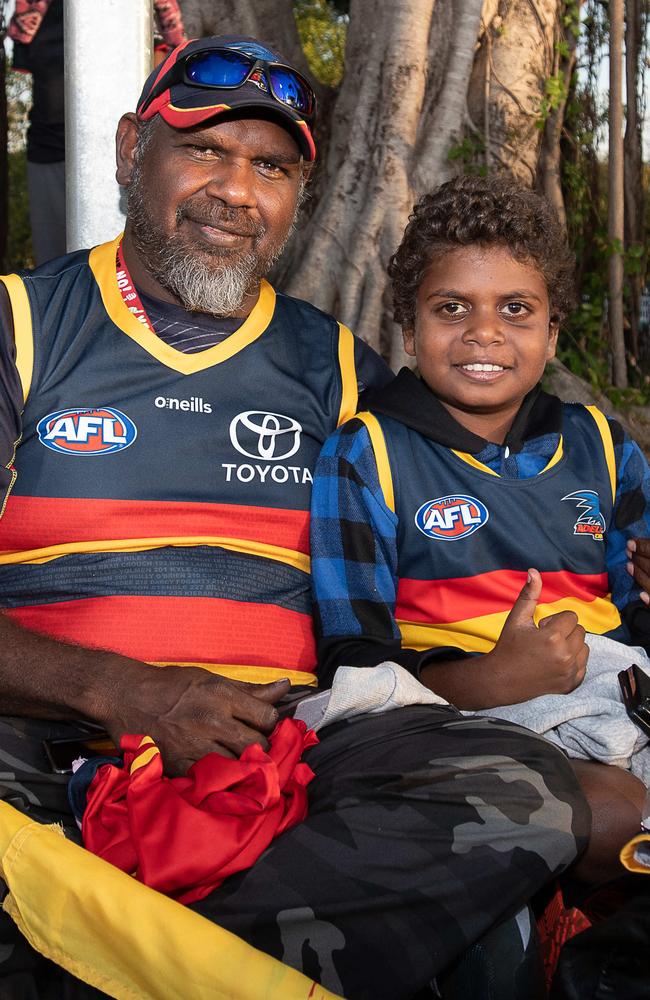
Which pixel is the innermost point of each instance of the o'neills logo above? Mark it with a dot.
(87, 430)
(195, 404)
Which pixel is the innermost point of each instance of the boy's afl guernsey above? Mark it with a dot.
(466, 537)
(161, 502)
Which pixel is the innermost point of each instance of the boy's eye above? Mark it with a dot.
(516, 309)
(453, 309)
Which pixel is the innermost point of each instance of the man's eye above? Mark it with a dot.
(270, 169)
(202, 152)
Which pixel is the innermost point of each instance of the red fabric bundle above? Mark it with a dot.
(184, 836)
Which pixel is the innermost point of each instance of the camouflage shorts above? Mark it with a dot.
(425, 829)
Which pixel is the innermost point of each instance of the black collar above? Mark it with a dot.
(409, 400)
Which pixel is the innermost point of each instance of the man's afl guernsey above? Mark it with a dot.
(466, 536)
(161, 504)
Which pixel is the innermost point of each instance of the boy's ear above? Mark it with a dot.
(553, 331)
(409, 340)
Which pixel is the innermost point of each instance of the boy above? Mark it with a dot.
(429, 511)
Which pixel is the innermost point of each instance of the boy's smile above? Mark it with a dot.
(483, 334)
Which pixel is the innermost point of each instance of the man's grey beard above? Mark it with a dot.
(215, 282)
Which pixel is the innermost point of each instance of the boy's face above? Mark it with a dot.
(482, 334)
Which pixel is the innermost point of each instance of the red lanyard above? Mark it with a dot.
(130, 297)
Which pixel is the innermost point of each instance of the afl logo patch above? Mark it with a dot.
(451, 517)
(87, 431)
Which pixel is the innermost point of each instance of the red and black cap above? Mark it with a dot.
(178, 90)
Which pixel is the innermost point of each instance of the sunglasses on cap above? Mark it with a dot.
(228, 69)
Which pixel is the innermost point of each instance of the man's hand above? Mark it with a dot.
(190, 712)
(638, 553)
(529, 661)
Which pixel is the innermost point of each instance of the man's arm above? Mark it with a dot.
(354, 573)
(188, 712)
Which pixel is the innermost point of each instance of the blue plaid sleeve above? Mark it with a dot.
(631, 514)
(353, 540)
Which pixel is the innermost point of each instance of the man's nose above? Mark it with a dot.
(234, 184)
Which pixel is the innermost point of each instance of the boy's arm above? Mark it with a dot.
(354, 561)
(354, 580)
(628, 536)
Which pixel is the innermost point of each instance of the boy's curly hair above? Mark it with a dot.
(486, 211)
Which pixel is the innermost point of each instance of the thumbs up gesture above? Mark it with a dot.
(530, 660)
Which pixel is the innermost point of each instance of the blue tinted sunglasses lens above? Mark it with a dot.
(290, 89)
(218, 69)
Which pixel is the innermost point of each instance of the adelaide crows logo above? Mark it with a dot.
(452, 517)
(591, 521)
(87, 430)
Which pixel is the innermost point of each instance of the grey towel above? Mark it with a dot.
(590, 723)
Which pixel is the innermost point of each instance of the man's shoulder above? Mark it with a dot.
(57, 267)
(300, 307)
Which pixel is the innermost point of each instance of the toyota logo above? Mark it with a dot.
(259, 434)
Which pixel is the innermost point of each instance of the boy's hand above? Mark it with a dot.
(638, 552)
(528, 660)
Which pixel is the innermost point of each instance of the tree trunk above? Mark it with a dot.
(564, 63)
(633, 162)
(616, 195)
(515, 58)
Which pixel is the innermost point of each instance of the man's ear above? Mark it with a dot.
(553, 331)
(126, 138)
(408, 333)
(307, 171)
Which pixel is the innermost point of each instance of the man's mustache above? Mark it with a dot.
(234, 220)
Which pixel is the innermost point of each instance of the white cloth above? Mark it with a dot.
(590, 723)
(364, 691)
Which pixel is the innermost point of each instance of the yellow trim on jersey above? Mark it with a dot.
(106, 928)
(602, 424)
(381, 457)
(464, 456)
(242, 672)
(636, 858)
(474, 462)
(102, 264)
(349, 388)
(479, 635)
(23, 332)
(288, 556)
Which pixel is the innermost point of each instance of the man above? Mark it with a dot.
(159, 514)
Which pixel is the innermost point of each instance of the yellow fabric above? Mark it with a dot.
(102, 264)
(381, 457)
(122, 937)
(478, 635)
(629, 854)
(252, 674)
(603, 426)
(23, 333)
(474, 462)
(289, 556)
(349, 388)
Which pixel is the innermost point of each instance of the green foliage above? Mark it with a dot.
(19, 247)
(322, 26)
(469, 155)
